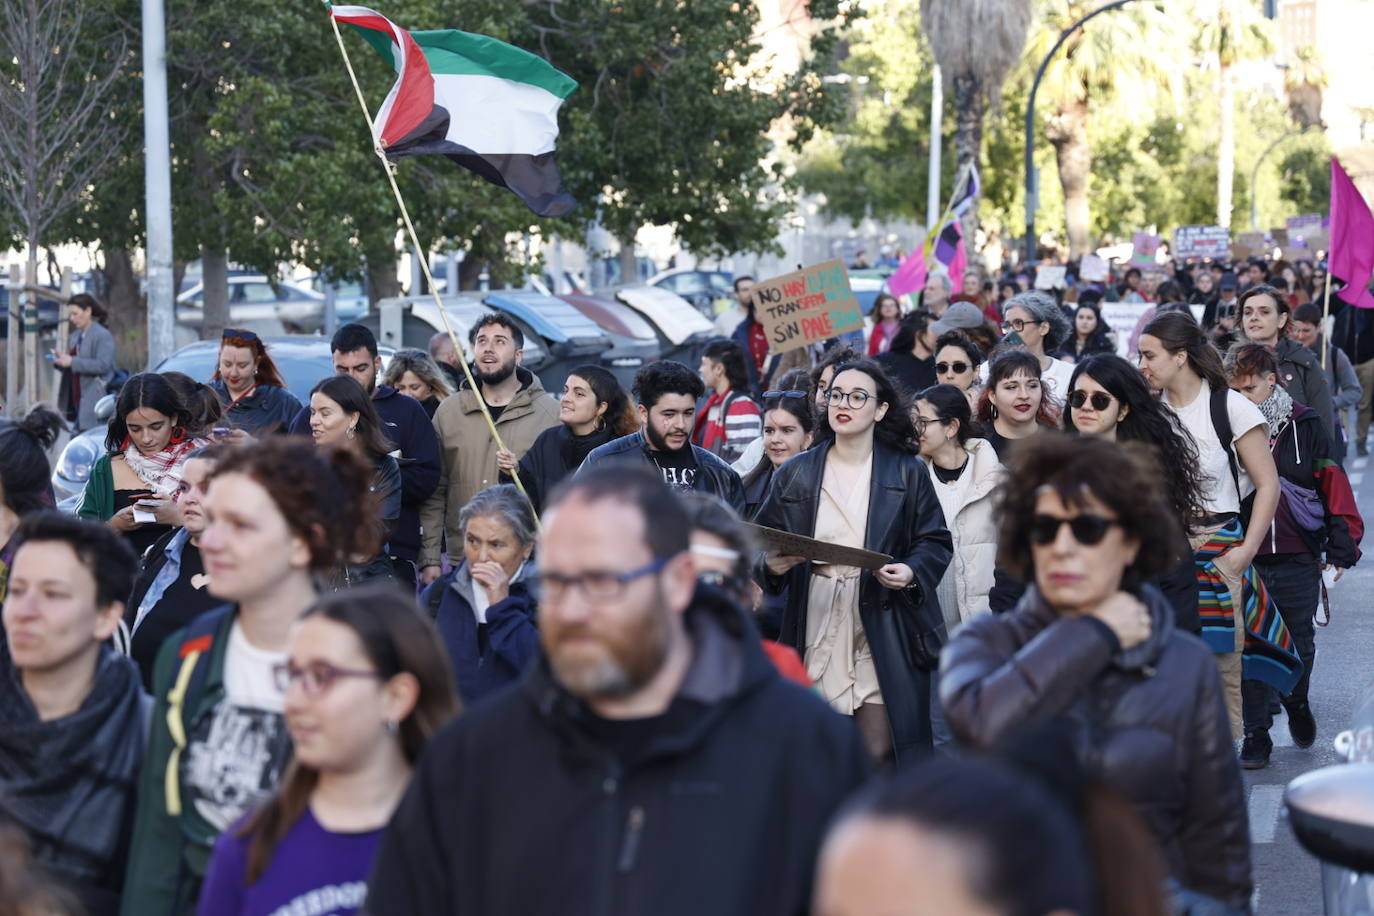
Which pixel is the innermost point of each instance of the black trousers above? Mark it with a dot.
(1294, 583)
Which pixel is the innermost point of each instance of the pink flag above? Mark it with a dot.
(1352, 239)
(911, 275)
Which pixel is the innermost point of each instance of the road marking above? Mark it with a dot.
(1266, 804)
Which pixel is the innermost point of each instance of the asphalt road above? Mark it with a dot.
(1287, 879)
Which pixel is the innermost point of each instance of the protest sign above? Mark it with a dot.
(1201, 242)
(1048, 276)
(807, 306)
(1122, 317)
(1278, 237)
(1092, 269)
(1303, 225)
(1248, 245)
(1143, 248)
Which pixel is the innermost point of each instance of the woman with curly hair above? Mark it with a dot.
(864, 486)
(1013, 404)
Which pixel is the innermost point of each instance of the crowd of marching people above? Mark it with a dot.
(972, 612)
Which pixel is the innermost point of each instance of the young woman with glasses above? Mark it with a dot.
(1108, 399)
(864, 486)
(280, 516)
(366, 686)
(1093, 647)
(1013, 404)
(957, 359)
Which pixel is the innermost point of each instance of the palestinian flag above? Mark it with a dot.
(489, 106)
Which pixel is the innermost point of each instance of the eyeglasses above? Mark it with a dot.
(316, 677)
(958, 368)
(786, 394)
(1088, 529)
(855, 399)
(1100, 399)
(596, 585)
(1015, 324)
(923, 422)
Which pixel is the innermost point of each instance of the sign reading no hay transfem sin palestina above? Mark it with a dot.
(807, 306)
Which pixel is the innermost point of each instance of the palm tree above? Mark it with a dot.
(1231, 32)
(976, 43)
(1114, 56)
(1303, 83)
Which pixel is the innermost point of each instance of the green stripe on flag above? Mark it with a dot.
(461, 53)
(382, 44)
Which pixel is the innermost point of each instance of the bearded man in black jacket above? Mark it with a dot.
(652, 762)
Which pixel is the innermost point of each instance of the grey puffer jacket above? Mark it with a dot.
(1150, 721)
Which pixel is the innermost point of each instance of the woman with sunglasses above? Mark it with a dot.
(864, 486)
(1040, 324)
(365, 688)
(1108, 398)
(279, 516)
(1231, 439)
(1013, 404)
(1091, 645)
(789, 422)
(957, 359)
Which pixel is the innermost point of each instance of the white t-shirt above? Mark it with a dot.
(248, 676)
(1218, 490)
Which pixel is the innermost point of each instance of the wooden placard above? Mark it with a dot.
(807, 306)
(787, 544)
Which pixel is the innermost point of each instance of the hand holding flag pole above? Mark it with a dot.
(390, 168)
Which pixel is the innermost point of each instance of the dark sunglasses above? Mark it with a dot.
(1087, 529)
(786, 394)
(958, 368)
(1100, 399)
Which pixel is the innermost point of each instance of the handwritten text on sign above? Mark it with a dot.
(807, 306)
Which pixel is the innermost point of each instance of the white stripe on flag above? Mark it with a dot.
(490, 115)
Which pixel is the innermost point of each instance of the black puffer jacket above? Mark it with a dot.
(905, 521)
(1151, 722)
(555, 454)
(714, 476)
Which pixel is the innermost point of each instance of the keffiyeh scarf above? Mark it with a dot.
(1277, 410)
(161, 471)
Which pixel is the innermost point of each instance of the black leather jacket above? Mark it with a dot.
(906, 522)
(714, 476)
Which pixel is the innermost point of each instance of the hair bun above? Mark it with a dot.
(44, 424)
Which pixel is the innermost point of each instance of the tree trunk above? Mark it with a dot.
(629, 265)
(30, 325)
(214, 277)
(128, 310)
(969, 104)
(382, 282)
(1068, 132)
(1226, 147)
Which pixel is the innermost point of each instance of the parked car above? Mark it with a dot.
(700, 287)
(350, 298)
(682, 330)
(255, 302)
(303, 361)
(634, 340)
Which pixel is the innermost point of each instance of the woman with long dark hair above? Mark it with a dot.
(89, 363)
(1089, 334)
(281, 516)
(593, 410)
(789, 422)
(1231, 439)
(910, 359)
(250, 386)
(25, 476)
(1013, 404)
(860, 631)
(343, 416)
(1108, 398)
(366, 686)
(203, 409)
(132, 485)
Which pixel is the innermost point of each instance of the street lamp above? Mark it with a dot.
(1254, 174)
(1030, 122)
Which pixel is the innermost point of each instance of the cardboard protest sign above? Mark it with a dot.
(1201, 242)
(807, 306)
(1303, 225)
(1092, 268)
(1048, 276)
(1279, 237)
(1248, 245)
(1122, 317)
(1143, 248)
(787, 544)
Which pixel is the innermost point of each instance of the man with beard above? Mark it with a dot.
(652, 761)
(405, 424)
(667, 394)
(516, 402)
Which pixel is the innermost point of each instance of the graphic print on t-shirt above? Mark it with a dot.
(679, 467)
(233, 760)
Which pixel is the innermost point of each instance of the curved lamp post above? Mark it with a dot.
(1254, 173)
(1030, 122)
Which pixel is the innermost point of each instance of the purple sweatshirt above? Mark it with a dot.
(313, 872)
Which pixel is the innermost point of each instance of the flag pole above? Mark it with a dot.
(1326, 311)
(390, 168)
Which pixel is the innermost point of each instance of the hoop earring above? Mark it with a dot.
(352, 431)
(600, 423)
(178, 434)
(391, 726)
(993, 408)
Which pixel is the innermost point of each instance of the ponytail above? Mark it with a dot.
(1177, 331)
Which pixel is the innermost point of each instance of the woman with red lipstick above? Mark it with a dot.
(869, 638)
(249, 386)
(366, 685)
(279, 516)
(1092, 645)
(1013, 404)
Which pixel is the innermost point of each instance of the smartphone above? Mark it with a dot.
(52, 356)
(220, 432)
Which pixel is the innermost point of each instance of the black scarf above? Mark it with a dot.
(71, 782)
(573, 449)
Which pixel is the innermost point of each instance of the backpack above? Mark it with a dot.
(1221, 424)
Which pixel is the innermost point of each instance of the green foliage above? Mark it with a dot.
(1306, 176)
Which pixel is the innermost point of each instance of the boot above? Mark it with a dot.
(1302, 725)
(1255, 750)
